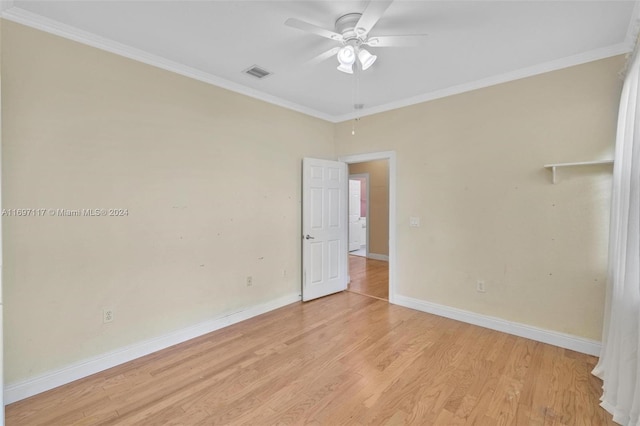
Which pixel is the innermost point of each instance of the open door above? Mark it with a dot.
(324, 228)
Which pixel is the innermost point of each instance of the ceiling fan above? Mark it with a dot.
(352, 32)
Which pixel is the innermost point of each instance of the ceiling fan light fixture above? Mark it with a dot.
(346, 68)
(347, 56)
(366, 58)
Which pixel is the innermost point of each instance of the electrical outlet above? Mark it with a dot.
(107, 315)
(249, 281)
(480, 288)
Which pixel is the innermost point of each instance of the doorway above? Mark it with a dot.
(358, 214)
(325, 255)
(369, 227)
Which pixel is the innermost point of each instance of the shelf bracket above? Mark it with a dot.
(554, 167)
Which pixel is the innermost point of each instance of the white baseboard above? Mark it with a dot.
(17, 391)
(377, 256)
(567, 341)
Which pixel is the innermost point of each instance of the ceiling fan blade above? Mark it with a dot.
(396, 40)
(305, 26)
(323, 56)
(371, 15)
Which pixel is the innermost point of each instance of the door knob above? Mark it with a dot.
(309, 237)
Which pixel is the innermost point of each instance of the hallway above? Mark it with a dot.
(369, 277)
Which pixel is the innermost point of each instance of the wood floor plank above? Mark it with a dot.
(343, 359)
(369, 277)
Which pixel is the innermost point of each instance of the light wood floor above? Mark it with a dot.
(342, 359)
(369, 277)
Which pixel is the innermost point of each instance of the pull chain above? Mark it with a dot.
(356, 90)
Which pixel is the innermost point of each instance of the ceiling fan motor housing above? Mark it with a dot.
(346, 25)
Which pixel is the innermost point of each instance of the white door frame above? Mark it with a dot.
(364, 176)
(2, 411)
(391, 157)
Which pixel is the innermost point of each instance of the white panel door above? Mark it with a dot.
(354, 215)
(324, 228)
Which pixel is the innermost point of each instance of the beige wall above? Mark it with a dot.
(470, 166)
(211, 180)
(378, 220)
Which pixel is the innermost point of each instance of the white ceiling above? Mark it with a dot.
(471, 44)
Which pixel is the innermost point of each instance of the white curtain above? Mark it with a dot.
(619, 365)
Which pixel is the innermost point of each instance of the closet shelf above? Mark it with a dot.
(553, 167)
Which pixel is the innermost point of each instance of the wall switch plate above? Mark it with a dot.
(414, 222)
(480, 288)
(249, 281)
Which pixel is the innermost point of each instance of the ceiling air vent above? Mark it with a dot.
(257, 72)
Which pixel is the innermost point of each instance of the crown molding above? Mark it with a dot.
(51, 26)
(569, 61)
(39, 22)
